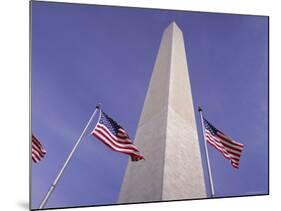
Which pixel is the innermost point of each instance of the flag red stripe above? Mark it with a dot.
(225, 153)
(224, 137)
(235, 164)
(38, 147)
(42, 153)
(109, 143)
(229, 148)
(34, 160)
(234, 147)
(115, 137)
(38, 152)
(34, 157)
(229, 151)
(121, 135)
(227, 144)
(34, 139)
(234, 153)
(37, 155)
(122, 131)
(122, 141)
(114, 142)
(219, 140)
(104, 140)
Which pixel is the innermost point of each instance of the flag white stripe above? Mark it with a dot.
(115, 137)
(114, 140)
(35, 147)
(129, 152)
(227, 156)
(222, 149)
(123, 131)
(219, 140)
(35, 158)
(220, 144)
(227, 143)
(38, 144)
(112, 146)
(36, 154)
(122, 135)
(235, 164)
(229, 150)
(229, 140)
(116, 144)
(123, 141)
(231, 144)
(218, 148)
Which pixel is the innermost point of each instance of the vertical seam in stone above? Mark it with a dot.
(168, 99)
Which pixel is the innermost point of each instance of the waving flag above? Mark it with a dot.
(38, 152)
(227, 146)
(114, 136)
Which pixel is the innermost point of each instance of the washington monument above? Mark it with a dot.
(166, 133)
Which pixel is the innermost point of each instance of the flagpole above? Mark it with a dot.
(207, 154)
(51, 189)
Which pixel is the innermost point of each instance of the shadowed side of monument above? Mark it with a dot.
(166, 133)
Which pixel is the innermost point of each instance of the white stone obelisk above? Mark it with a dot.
(166, 133)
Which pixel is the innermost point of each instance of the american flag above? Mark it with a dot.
(227, 146)
(114, 136)
(38, 152)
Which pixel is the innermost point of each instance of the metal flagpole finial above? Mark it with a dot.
(98, 106)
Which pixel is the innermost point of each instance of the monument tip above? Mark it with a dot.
(175, 25)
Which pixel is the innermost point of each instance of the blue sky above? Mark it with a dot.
(86, 54)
